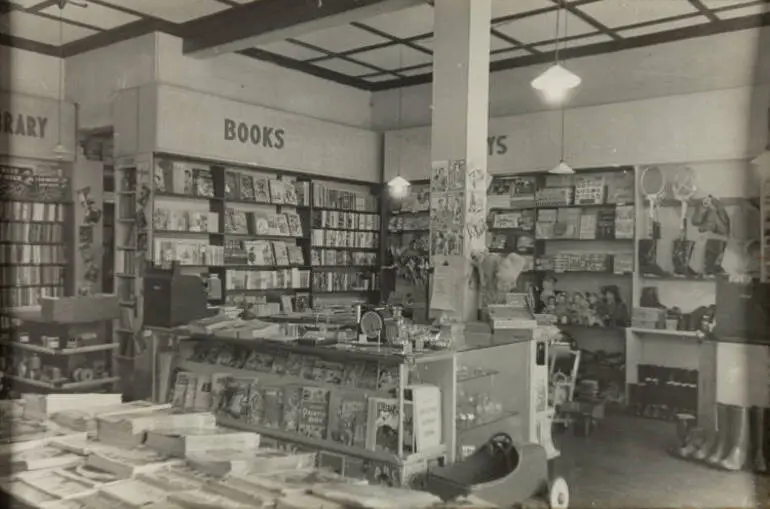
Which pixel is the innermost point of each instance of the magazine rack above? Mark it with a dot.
(409, 452)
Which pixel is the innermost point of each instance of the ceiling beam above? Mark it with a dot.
(268, 21)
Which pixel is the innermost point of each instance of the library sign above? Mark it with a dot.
(29, 126)
(255, 134)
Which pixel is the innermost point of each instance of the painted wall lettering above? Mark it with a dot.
(497, 145)
(269, 137)
(19, 124)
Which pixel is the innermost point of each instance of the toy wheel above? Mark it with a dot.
(558, 493)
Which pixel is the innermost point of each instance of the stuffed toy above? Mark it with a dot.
(497, 275)
(549, 289)
(562, 310)
(508, 271)
(711, 216)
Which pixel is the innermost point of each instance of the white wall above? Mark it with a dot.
(718, 62)
(94, 78)
(29, 73)
(245, 79)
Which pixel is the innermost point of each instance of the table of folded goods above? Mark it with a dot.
(93, 452)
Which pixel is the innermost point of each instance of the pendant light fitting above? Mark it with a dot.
(398, 185)
(556, 81)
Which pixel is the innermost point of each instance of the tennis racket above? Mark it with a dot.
(683, 188)
(652, 184)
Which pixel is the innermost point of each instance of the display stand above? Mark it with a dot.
(213, 356)
(42, 354)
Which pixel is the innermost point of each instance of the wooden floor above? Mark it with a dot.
(624, 464)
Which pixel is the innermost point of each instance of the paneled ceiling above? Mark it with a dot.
(389, 50)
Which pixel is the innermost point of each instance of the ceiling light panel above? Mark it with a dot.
(542, 27)
(575, 43)
(176, 11)
(740, 12)
(502, 8)
(341, 38)
(615, 13)
(290, 50)
(405, 22)
(40, 29)
(716, 4)
(664, 27)
(418, 71)
(24, 4)
(380, 78)
(344, 67)
(505, 55)
(393, 57)
(95, 15)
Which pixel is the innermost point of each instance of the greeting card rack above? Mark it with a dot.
(265, 240)
(354, 412)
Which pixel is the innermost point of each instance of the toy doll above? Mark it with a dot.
(550, 306)
(581, 308)
(549, 289)
(562, 311)
(616, 312)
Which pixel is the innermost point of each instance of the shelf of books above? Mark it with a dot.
(576, 233)
(266, 240)
(409, 236)
(368, 409)
(132, 237)
(35, 218)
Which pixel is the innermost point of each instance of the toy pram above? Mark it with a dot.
(503, 473)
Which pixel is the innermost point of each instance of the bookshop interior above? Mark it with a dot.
(385, 254)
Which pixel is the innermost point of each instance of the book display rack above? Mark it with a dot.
(35, 214)
(266, 239)
(361, 409)
(132, 233)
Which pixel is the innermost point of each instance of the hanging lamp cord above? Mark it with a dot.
(400, 101)
(558, 40)
(61, 70)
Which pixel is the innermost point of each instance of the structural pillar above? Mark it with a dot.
(459, 150)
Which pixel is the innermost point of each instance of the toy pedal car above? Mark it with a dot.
(504, 474)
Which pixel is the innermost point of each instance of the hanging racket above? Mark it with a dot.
(652, 184)
(683, 188)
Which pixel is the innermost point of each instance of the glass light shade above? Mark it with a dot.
(555, 82)
(398, 186)
(561, 169)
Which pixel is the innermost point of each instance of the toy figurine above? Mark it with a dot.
(550, 306)
(549, 289)
(562, 310)
(616, 311)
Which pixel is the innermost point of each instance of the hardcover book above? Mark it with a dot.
(181, 441)
(127, 463)
(292, 404)
(261, 190)
(204, 183)
(276, 191)
(295, 224)
(314, 412)
(232, 186)
(347, 420)
(289, 193)
(247, 188)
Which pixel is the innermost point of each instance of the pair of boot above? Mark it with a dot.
(728, 447)
(682, 252)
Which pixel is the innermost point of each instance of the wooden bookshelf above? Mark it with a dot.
(253, 228)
